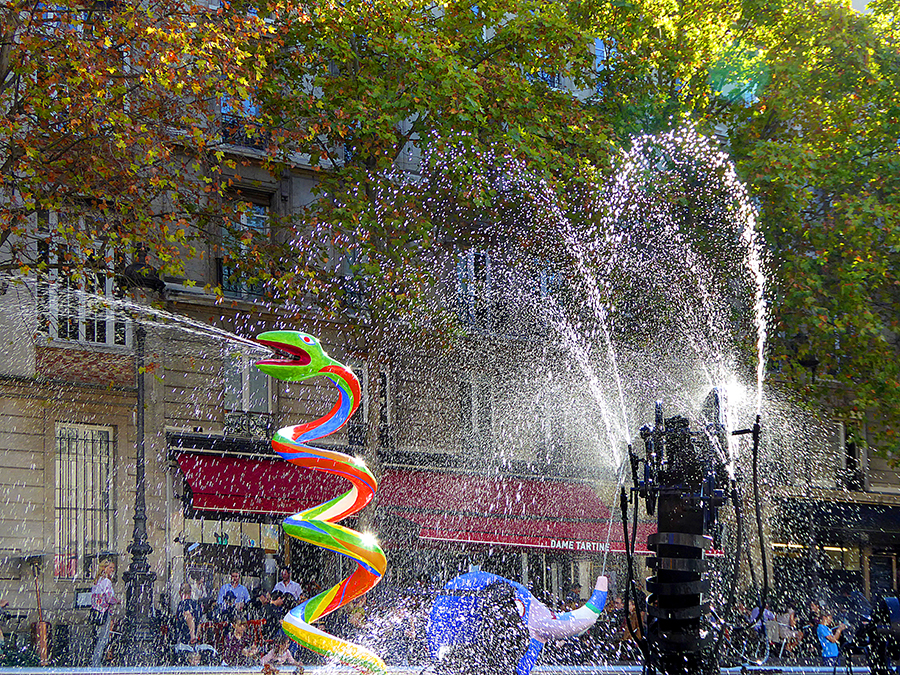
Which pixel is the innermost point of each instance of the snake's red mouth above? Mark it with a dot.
(285, 355)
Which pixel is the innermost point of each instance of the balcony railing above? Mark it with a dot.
(552, 80)
(237, 289)
(355, 298)
(237, 130)
(249, 424)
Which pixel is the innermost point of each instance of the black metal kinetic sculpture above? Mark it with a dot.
(685, 482)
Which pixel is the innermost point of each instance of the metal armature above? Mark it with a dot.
(685, 484)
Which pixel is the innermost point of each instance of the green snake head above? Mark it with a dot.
(299, 355)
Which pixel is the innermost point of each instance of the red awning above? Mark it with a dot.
(256, 485)
(550, 514)
(490, 495)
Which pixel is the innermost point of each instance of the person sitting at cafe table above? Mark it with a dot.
(239, 647)
(229, 611)
(283, 602)
(189, 650)
(260, 607)
(236, 588)
(288, 585)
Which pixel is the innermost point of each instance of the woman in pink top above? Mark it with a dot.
(280, 655)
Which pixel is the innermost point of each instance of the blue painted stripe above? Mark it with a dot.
(306, 525)
(362, 477)
(331, 425)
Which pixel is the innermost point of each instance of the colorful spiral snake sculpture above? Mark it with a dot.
(300, 357)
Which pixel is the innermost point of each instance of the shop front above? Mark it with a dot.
(549, 534)
(235, 494)
(827, 545)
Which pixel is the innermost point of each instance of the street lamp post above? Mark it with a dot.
(140, 634)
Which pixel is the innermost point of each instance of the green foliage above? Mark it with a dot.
(110, 116)
(807, 94)
(820, 150)
(106, 123)
(363, 90)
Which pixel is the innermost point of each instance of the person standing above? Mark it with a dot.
(237, 589)
(287, 585)
(103, 597)
(634, 630)
(767, 615)
(829, 639)
(790, 630)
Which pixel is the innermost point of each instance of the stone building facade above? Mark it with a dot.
(459, 430)
(486, 452)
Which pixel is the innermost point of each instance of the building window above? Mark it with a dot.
(473, 276)
(547, 297)
(603, 53)
(241, 127)
(78, 307)
(85, 497)
(505, 301)
(385, 422)
(822, 464)
(476, 412)
(251, 222)
(352, 284)
(358, 426)
(551, 79)
(246, 396)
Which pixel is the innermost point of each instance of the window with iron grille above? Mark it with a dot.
(78, 307)
(475, 292)
(246, 396)
(240, 124)
(604, 51)
(85, 497)
(352, 283)
(252, 221)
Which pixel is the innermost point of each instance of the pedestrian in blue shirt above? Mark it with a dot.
(239, 592)
(829, 639)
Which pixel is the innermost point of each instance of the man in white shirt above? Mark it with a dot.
(286, 585)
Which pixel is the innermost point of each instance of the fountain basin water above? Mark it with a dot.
(403, 670)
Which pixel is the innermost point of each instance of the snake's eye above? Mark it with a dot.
(308, 340)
